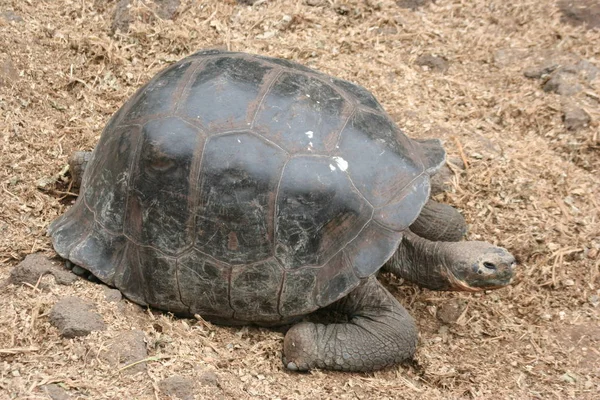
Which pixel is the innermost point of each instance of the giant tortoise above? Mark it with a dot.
(254, 190)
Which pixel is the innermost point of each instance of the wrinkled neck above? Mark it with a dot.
(421, 261)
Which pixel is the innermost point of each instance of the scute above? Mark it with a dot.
(101, 251)
(298, 295)
(161, 280)
(406, 206)
(105, 189)
(318, 212)
(360, 94)
(223, 91)
(160, 95)
(301, 114)
(71, 228)
(204, 285)
(335, 279)
(159, 209)
(381, 160)
(255, 291)
(238, 180)
(373, 246)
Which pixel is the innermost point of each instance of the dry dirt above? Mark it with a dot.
(530, 185)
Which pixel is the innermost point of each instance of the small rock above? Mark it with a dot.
(8, 72)
(46, 183)
(569, 377)
(413, 4)
(10, 15)
(56, 392)
(209, 378)
(450, 311)
(266, 35)
(435, 63)
(571, 78)
(177, 386)
(388, 30)
(586, 70)
(578, 12)
(126, 349)
(539, 71)
(574, 117)
(594, 300)
(167, 9)
(568, 282)
(36, 265)
(508, 56)
(313, 3)
(121, 18)
(73, 317)
(112, 295)
(563, 81)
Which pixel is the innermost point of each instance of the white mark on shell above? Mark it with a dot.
(342, 164)
(331, 167)
(309, 134)
(239, 141)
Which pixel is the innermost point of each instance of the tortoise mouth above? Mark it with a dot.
(483, 276)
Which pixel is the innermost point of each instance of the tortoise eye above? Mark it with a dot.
(162, 164)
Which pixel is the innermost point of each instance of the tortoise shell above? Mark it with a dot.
(245, 188)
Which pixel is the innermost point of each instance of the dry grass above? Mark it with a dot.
(530, 186)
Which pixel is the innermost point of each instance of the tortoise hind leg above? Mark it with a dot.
(77, 164)
(439, 222)
(380, 333)
(81, 272)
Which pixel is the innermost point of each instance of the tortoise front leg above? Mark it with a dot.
(380, 333)
(440, 222)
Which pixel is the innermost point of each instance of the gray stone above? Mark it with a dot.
(434, 63)
(75, 317)
(121, 18)
(10, 16)
(574, 117)
(563, 81)
(413, 4)
(571, 78)
(36, 265)
(580, 12)
(56, 392)
(209, 378)
(125, 350)
(8, 72)
(450, 311)
(167, 9)
(509, 56)
(177, 386)
(539, 71)
(112, 295)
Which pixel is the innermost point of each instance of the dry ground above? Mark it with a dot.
(530, 185)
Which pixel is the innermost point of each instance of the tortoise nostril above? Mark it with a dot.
(489, 265)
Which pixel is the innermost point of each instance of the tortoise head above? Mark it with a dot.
(475, 266)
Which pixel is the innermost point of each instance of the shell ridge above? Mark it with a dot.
(274, 75)
(277, 191)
